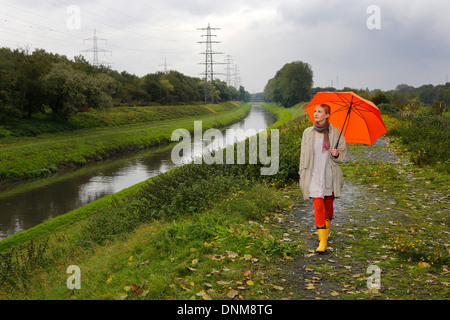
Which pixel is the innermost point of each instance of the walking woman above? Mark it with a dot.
(321, 177)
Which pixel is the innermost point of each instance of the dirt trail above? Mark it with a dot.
(340, 270)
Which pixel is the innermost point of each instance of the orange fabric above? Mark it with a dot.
(323, 209)
(364, 124)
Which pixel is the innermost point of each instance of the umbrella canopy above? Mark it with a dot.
(359, 119)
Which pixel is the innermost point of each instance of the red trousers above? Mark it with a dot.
(323, 209)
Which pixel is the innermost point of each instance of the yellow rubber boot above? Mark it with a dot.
(327, 226)
(323, 236)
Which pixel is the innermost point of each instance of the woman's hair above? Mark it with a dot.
(325, 107)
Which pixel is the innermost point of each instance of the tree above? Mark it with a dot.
(291, 84)
(380, 97)
(69, 91)
(65, 89)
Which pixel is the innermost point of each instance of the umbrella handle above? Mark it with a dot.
(345, 121)
(337, 143)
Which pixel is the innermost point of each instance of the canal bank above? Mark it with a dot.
(104, 200)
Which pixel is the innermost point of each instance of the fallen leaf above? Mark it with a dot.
(232, 293)
(145, 263)
(122, 296)
(200, 293)
(309, 286)
(277, 287)
(206, 297)
(250, 282)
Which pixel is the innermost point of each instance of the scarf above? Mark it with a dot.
(324, 128)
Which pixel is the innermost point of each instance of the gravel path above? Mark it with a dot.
(339, 270)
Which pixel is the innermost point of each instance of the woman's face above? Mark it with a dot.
(319, 115)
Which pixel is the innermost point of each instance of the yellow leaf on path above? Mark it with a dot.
(309, 286)
(424, 264)
(200, 293)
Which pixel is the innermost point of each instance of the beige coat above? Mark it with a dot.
(307, 160)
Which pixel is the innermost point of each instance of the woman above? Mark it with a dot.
(321, 177)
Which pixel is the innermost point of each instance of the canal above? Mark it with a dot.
(27, 204)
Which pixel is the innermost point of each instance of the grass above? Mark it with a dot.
(48, 153)
(208, 233)
(212, 211)
(394, 217)
(214, 253)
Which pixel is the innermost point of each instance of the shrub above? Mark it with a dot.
(427, 137)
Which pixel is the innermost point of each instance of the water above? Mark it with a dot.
(28, 204)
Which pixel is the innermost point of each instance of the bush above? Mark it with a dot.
(388, 108)
(427, 137)
(191, 188)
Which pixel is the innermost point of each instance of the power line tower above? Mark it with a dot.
(165, 65)
(209, 62)
(95, 48)
(237, 77)
(228, 69)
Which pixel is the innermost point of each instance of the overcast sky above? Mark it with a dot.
(353, 43)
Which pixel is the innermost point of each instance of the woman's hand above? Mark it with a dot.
(335, 153)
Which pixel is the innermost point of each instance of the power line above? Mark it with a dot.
(165, 65)
(228, 69)
(95, 48)
(237, 77)
(209, 62)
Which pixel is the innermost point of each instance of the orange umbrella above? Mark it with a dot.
(359, 119)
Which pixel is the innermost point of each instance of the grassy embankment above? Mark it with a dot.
(175, 212)
(205, 232)
(98, 135)
(106, 134)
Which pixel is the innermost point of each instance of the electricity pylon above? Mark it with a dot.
(209, 62)
(228, 69)
(165, 65)
(95, 48)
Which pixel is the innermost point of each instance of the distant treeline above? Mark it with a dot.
(38, 82)
(405, 98)
(293, 83)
